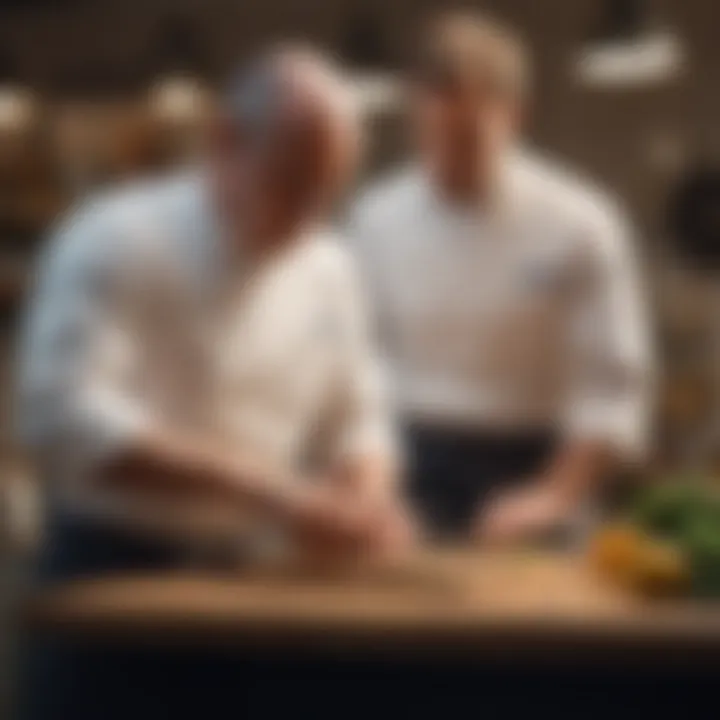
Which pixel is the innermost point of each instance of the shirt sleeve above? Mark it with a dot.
(74, 406)
(611, 369)
(365, 423)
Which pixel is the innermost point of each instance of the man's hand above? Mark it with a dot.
(327, 524)
(334, 523)
(398, 528)
(523, 514)
(547, 503)
(370, 482)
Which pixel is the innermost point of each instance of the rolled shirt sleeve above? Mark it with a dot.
(74, 406)
(365, 422)
(611, 368)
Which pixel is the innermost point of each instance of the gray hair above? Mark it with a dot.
(256, 96)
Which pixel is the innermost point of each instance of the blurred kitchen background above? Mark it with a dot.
(626, 91)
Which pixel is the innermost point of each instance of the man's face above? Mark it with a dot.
(462, 133)
(269, 189)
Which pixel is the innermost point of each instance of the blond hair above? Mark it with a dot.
(471, 49)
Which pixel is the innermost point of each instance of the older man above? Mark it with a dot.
(203, 337)
(509, 301)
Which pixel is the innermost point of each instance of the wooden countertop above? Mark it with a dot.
(457, 599)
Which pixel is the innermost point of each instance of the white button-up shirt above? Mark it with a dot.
(142, 314)
(528, 315)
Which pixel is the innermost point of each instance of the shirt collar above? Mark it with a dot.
(500, 206)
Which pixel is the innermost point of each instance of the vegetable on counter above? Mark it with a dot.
(668, 541)
(628, 556)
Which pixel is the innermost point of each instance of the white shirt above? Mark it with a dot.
(526, 316)
(142, 315)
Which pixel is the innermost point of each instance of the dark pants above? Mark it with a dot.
(66, 678)
(452, 472)
(76, 547)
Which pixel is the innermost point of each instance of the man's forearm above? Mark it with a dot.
(577, 467)
(159, 463)
(370, 476)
